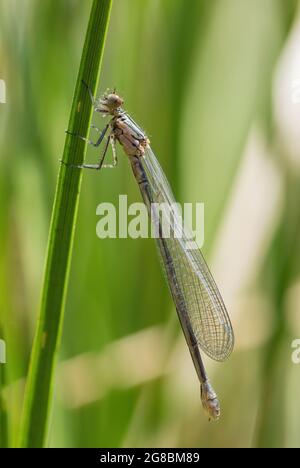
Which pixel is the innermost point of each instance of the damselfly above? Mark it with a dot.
(200, 308)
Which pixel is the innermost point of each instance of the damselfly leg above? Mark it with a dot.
(87, 140)
(96, 103)
(100, 165)
(98, 130)
(114, 152)
(110, 140)
(92, 97)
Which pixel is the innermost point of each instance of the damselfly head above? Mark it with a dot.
(110, 102)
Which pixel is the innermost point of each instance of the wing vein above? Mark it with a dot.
(205, 308)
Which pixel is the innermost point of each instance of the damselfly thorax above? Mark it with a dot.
(127, 132)
(129, 135)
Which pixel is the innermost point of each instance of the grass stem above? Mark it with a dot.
(39, 387)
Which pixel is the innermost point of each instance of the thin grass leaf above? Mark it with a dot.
(40, 379)
(4, 436)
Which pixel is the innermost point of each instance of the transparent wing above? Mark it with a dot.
(203, 303)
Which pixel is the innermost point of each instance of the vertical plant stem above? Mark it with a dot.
(3, 411)
(4, 437)
(39, 387)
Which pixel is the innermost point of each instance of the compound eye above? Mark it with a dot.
(114, 100)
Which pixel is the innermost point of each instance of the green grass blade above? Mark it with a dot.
(3, 411)
(40, 379)
(4, 437)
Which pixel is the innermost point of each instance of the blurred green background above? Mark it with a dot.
(216, 85)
